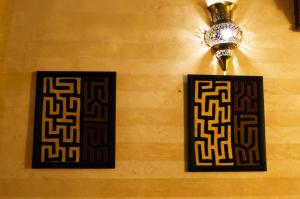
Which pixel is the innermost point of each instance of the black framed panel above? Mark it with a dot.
(74, 120)
(226, 123)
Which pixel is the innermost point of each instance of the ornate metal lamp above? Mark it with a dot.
(224, 35)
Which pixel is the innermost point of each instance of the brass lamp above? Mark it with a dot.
(223, 35)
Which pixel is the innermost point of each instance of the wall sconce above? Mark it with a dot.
(223, 36)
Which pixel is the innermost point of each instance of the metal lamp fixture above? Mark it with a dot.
(224, 35)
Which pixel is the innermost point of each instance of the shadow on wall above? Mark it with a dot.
(287, 6)
(201, 8)
(185, 119)
(30, 129)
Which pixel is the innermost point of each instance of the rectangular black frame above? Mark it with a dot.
(36, 163)
(191, 166)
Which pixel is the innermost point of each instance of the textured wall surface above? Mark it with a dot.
(152, 45)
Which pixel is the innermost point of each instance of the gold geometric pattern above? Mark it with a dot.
(74, 125)
(212, 117)
(226, 123)
(60, 119)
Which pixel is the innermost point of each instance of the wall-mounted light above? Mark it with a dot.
(223, 35)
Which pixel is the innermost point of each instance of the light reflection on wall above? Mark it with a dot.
(214, 65)
(236, 66)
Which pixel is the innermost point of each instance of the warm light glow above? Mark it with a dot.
(236, 67)
(226, 34)
(247, 47)
(223, 33)
(210, 2)
(214, 66)
(248, 50)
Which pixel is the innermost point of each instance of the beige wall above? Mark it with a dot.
(152, 44)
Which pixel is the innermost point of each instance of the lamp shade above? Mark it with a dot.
(210, 2)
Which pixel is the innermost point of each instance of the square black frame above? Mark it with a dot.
(191, 167)
(36, 163)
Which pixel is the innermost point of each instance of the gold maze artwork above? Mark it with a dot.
(63, 123)
(226, 126)
(215, 109)
(74, 120)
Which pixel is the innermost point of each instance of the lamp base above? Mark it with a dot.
(224, 56)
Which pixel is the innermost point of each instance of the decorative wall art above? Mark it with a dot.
(74, 120)
(226, 123)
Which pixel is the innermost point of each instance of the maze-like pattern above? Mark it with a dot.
(95, 108)
(94, 143)
(245, 97)
(60, 135)
(95, 120)
(212, 123)
(246, 129)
